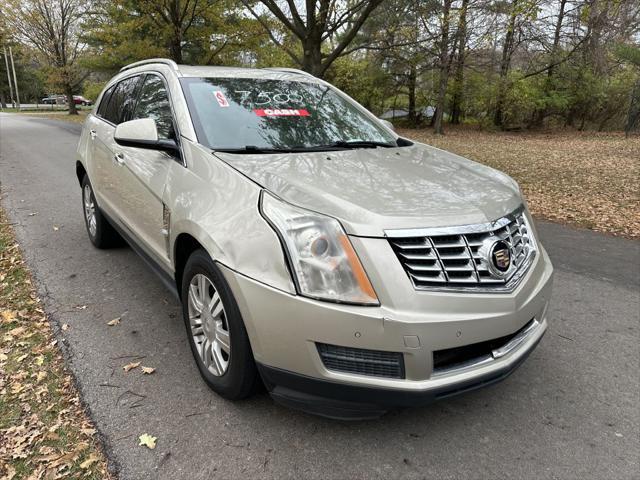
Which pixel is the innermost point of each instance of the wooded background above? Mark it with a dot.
(506, 64)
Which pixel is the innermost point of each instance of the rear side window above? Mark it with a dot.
(153, 102)
(121, 101)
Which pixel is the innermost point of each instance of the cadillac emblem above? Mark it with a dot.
(500, 256)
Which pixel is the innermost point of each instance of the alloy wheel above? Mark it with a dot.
(209, 327)
(90, 210)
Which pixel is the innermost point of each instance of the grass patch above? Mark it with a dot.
(57, 113)
(60, 115)
(44, 430)
(586, 179)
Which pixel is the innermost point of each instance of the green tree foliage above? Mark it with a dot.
(204, 32)
(509, 64)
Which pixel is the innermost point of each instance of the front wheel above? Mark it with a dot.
(100, 231)
(216, 331)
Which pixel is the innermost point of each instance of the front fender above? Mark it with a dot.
(218, 207)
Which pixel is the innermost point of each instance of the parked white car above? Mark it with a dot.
(349, 269)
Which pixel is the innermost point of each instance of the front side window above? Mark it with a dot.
(123, 96)
(236, 113)
(153, 102)
(104, 102)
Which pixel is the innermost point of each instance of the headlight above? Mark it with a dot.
(325, 265)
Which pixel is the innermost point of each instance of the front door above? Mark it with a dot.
(107, 173)
(143, 172)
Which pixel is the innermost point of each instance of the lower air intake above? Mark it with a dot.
(374, 363)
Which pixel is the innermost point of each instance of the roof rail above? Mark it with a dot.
(165, 61)
(290, 70)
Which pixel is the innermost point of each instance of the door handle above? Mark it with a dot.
(118, 158)
(92, 133)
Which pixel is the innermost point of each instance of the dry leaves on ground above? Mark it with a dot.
(147, 440)
(114, 322)
(44, 430)
(585, 179)
(131, 366)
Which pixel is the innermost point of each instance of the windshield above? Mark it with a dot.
(262, 114)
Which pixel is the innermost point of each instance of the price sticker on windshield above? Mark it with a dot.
(222, 100)
(281, 112)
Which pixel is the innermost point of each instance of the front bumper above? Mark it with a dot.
(284, 330)
(341, 401)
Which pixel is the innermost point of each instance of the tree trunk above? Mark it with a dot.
(312, 57)
(3, 103)
(458, 88)
(542, 112)
(444, 69)
(633, 116)
(175, 48)
(411, 85)
(72, 105)
(505, 65)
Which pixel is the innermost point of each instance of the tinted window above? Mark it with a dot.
(120, 103)
(153, 102)
(105, 101)
(280, 114)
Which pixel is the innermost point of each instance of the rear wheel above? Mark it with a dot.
(100, 231)
(216, 331)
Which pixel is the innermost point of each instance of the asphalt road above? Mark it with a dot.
(571, 411)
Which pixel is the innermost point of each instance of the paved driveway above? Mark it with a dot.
(571, 411)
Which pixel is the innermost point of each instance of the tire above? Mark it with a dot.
(218, 339)
(101, 233)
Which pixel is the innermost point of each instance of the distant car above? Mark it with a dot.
(54, 100)
(80, 100)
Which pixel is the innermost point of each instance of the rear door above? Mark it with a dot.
(142, 178)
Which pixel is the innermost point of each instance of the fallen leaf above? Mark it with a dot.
(93, 458)
(65, 327)
(55, 228)
(8, 316)
(148, 370)
(39, 360)
(114, 322)
(131, 366)
(147, 440)
(41, 376)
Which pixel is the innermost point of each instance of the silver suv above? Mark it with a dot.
(349, 269)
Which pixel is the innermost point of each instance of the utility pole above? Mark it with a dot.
(15, 81)
(6, 62)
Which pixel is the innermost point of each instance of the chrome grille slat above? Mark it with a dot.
(456, 260)
(417, 256)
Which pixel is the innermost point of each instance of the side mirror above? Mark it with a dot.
(143, 133)
(387, 124)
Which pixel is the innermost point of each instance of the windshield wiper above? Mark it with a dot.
(337, 145)
(360, 144)
(252, 149)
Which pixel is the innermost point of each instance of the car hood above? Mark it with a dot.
(373, 190)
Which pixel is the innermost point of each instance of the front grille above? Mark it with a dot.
(459, 257)
(374, 363)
